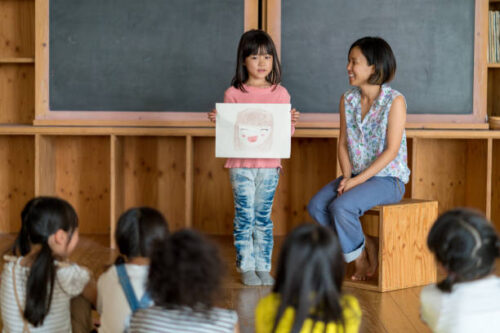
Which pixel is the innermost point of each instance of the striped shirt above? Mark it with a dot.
(158, 319)
(70, 281)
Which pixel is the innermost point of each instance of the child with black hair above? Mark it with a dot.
(122, 288)
(468, 299)
(307, 295)
(38, 285)
(254, 180)
(184, 277)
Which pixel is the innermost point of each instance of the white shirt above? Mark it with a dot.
(112, 304)
(70, 281)
(470, 307)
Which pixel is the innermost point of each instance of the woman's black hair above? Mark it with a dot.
(41, 218)
(310, 274)
(378, 53)
(137, 230)
(466, 244)
(185, 271)
(255, 42)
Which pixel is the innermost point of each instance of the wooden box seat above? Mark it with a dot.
(403, 258)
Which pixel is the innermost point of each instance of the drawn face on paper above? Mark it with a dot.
(253, 130)
(252, 136)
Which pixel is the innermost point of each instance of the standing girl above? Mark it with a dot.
(254, 180)
(121, 290)
(307, 295)
(372, 152)
(468, 299)
(38, 285)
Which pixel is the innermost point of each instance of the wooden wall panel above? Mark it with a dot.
(495, 185)
(153, 175)
(17, 95)
(451, 171)
(313, 165)
(212, 195)
(475, 174)
(17, 161)
(17, 27)
(77, 169)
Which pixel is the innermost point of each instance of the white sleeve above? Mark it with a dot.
(72, 279)
(431, 305)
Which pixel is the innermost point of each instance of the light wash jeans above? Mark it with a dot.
(253, 191)
(343, 213)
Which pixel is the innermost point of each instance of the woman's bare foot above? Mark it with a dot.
(366, 264)
(371, 246)
(362, 265)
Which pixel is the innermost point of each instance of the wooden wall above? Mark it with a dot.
(104, 170)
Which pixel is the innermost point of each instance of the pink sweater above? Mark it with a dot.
(256, 95)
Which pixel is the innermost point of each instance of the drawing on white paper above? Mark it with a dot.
(253, 130)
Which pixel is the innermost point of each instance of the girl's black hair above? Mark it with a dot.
(185, 271)
(41, 218)
(378, 53)
(466, 244)
(137, 230)
(310, 274)
(255, 42)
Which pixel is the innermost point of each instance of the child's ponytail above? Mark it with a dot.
(41, 218)
(40, 286)
(136, 231)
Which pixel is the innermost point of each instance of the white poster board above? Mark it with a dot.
(253, 130)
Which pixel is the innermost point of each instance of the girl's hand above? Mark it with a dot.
(212, 115)
(295, 115)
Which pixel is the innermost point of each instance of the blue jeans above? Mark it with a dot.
(253, 191)
(343, 213)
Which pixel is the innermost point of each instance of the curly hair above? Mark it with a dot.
(185, 270)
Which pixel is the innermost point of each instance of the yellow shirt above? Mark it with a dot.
(268, 306)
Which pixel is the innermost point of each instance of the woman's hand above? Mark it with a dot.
(211, 115)
(295, 116)
(341, 187)
(346, 184)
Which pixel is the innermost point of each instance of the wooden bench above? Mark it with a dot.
(404, 259)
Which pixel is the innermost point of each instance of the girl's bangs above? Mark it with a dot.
(258, 47)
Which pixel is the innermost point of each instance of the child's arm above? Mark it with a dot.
(395, 129)
(343, 155)
(90, 292)
(237, 327)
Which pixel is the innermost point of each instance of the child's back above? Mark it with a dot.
(471, 307)
(69, 282)
(137, 229)
(311, 264)
(111, 302)
(468, 299)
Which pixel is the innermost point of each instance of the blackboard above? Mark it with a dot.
(149, 55)
(433, 41)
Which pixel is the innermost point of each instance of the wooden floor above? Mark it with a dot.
(396, 311)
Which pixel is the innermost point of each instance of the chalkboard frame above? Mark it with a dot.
(476, 120)
(45, 116)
